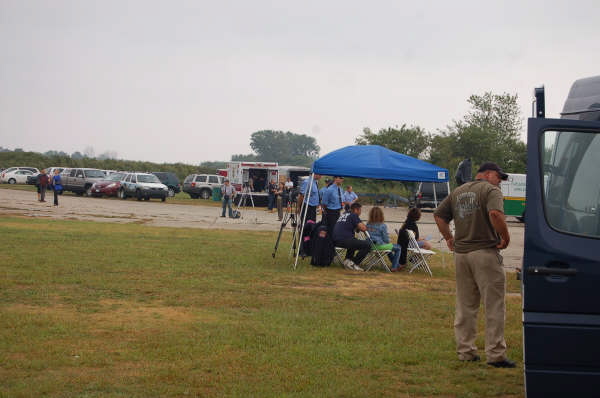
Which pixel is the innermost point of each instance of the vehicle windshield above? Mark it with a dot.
(148, 178)
(571, 181)
(116, 177)
(95, 174)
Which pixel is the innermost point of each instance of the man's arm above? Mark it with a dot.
(499, 223)
(361, 227)
(444, 228)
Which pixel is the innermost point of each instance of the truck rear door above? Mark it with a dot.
(561, 264)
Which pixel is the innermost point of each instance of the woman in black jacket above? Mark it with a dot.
(414, 215)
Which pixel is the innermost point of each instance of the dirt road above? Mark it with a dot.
(155, 213)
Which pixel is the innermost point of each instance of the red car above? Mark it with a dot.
(109, 186)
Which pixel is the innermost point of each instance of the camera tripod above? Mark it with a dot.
(243, 202)
(290, 216)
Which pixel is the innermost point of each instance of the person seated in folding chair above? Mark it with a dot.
(343, 236)
(380, 237)
(414, 215)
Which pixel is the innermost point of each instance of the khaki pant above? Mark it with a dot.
(480, 277)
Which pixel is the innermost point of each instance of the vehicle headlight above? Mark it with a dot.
(111, 185)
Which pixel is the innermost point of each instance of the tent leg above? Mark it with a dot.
(306, 199)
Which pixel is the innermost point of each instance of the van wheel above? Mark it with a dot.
(146, 198)
(79, 193)
(88, 191)
(122, 194)
(205, 194)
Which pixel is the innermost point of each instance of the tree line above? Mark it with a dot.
(40, 160)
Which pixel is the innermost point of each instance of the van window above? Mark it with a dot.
(570, 164)
(213, 179)
(200, 178)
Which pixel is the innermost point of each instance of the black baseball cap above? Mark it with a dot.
(494, 167)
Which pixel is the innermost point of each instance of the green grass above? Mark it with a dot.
(109, 310)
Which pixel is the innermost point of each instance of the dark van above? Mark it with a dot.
(430, 194)
(170, 180)
(561, 262)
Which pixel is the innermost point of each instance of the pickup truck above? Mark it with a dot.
(80, 181)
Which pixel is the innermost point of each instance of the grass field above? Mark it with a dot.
(107, 310)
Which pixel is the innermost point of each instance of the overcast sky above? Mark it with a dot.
(190, 81)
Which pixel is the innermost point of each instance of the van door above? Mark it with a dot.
(561, 263)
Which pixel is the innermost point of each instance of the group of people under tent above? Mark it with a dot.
(341, 213)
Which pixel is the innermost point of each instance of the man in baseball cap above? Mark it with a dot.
(491, 166)
(477, 209)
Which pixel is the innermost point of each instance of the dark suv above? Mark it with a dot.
(424, 196)
(170, 180)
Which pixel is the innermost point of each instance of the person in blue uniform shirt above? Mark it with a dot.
(310, 202)
(349, 197)
(332, 202)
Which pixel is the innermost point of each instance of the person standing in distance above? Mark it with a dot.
(309, 206)
(42, 180)
(480, 233)
(228, 193)
(331, 202)
(349, 197)
(56, 185)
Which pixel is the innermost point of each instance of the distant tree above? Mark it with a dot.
(2, 149)
(76, 155)
(412, 141)
(282, 147)
(108, 155)
(18, 150)
(89, 152)
(214, 165)
(490, 131)
(240, 157)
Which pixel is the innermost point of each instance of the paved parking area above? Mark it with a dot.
(155, 213)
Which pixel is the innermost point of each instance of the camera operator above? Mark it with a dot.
(310, 204)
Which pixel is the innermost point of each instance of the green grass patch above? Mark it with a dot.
(108, 310)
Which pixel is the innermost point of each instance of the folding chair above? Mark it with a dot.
(340, 253)
(375, 256)
(417, 257)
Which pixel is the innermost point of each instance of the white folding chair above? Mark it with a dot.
(417, 257)
(375, 256)
(340, 254)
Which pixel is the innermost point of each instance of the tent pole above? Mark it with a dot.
(435, 196)
(305, 199)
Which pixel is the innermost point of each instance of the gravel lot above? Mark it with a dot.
(155, 213)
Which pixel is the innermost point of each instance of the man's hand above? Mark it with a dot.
(498, 222)
(450, 243)
(503, 243)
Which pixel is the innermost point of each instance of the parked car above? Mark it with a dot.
(170, 180)
(80, 181)
(143, 186)
(424, 195)
(4, 178)
(18, 176)
(108, 186)
(201, 185)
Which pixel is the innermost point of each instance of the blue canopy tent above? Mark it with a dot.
(374, 161)
(377, 162)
